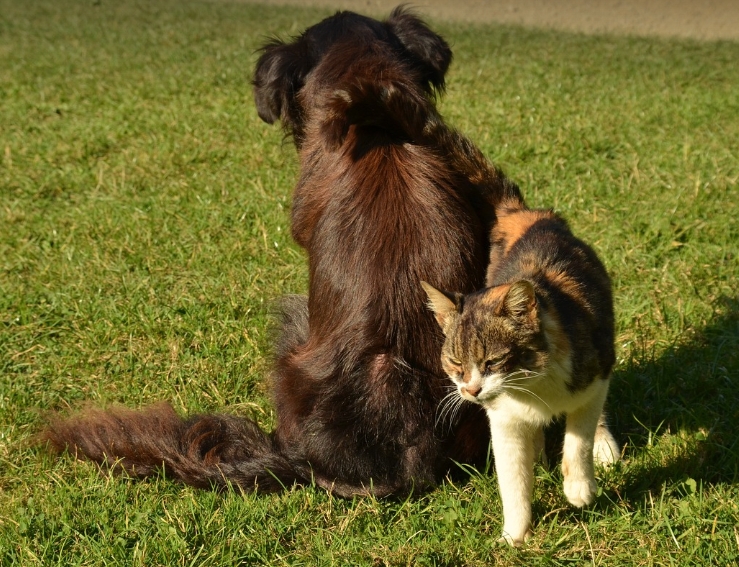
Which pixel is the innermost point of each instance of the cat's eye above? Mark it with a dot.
(492, 363)
(453, 361)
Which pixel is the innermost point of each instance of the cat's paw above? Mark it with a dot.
(580, 492)
(605, 449)
(508, 539)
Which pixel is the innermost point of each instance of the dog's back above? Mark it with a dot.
(383, 202)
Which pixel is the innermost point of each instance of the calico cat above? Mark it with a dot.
(536, 343)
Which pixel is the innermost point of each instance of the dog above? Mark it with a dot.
(388, 195)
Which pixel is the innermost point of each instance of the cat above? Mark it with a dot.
(536, 343)
(385, 188)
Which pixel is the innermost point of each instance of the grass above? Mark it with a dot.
(144, 234)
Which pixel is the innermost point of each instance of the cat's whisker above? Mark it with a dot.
(522, 374)
(529, 392)
(517, 381)
(457, 403)
(446, 418)
(517, 378)
(457, 406)
(444, 406)
(448, 407)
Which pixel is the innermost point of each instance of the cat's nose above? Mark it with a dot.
(472, 390)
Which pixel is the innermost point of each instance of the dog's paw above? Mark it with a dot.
(581, 491)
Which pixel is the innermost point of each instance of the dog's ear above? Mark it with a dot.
(429, 49)
(279, 75)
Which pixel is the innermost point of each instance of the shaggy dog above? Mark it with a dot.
(388, 195)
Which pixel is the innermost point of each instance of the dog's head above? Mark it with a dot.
(283, 68)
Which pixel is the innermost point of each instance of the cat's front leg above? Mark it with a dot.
(577, 456)
(513, 449)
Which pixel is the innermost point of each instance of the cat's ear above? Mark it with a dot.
(444, 305)
(520, 301)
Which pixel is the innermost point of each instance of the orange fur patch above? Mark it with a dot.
(513, 223)
(495, 295)
(567, 285)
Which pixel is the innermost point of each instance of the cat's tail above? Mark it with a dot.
(203, 450)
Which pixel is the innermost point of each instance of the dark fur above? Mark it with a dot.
(387, 196)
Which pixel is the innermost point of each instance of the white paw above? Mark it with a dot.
(605, 449)
(515, 541)
(580, 492)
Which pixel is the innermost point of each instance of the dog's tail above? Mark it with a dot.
(206, 451)
(389, 102)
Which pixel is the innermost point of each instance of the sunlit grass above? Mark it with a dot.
(144, 234)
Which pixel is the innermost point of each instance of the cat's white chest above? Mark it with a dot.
(537, 400)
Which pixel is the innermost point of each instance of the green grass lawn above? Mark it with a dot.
(144, 236)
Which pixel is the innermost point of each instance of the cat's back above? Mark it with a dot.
(538, 246)
(538, 243)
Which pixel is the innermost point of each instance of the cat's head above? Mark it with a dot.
(494, 341)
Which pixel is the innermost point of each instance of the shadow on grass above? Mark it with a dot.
(677, 414)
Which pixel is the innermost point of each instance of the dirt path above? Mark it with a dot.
(697, 19)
